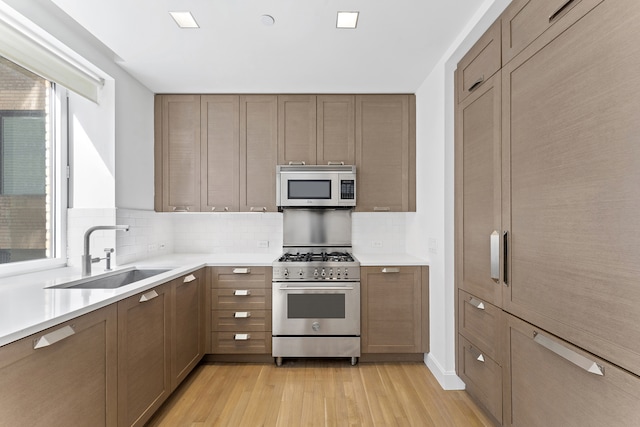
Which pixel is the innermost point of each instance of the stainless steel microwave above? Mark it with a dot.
(315, 185)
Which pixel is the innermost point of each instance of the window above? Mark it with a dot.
(27, 166)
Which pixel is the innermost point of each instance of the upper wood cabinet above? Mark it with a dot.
(385, 153)
(481, 62)
(177, 153)
(296, 129)
(526, 20)
(63, 376)
(572, 162)
(394, 309)
(258, 152)
(478, 202)
(220, 156)
(316, 129)
(336, 133)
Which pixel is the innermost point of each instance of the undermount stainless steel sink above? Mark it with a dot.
(112, 280)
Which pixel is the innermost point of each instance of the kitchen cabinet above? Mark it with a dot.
(526, 20)
(550, 382)
(220, 156)
(481, 62)
(316, 129)
(63, 376)
(258, 152)
(394, 309)
(187, 324)
(144, 354)
(385, 153)
(240, 309)
(177, 153)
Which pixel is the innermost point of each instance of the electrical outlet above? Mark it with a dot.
(152, 248)
(263, 243)
(376, 243)
(433, 246)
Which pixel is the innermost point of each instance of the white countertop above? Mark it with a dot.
(28, 306)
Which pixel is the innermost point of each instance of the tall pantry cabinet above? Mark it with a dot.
(563, 258)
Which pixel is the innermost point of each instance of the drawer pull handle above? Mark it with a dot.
(335, 163)
(242, 314)
(241, 270)
(476, 354)
(53, 337)
(390, 270)
(242, 337)
(476, 303)
(559, 10)
(297, 163)
(381, 208)
(148, 296)
(475, 84)
(242, 292)
(181, 208)
(189, 278)
(226, 209)
(495, 255)
(568, 354)
(258, 209)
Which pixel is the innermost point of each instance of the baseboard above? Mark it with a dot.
(448, 379)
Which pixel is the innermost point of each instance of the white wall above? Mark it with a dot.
(432, 232)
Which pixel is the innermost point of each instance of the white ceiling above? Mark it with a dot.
(395, 46)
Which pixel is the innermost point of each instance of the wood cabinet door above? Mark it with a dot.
(384, 158)
(143, 355)
(258, 152)
(479, 236)
(480, 63)
(296, 129)
(549, 382)
(573, 162)
(64, 376)
(220, 149)
(188, 325)
(180, 153)
(336, 132)
(391, 309)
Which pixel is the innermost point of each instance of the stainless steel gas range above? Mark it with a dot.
(316, 287)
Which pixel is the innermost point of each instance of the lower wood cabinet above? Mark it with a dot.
(240, 302)
(143, 354)
(64, 376)
(394, 309)
(549, 382)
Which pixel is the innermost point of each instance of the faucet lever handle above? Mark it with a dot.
(108, 250)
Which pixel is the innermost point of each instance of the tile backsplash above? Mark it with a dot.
(152, 234)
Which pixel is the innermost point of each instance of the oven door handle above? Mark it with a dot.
(316, 288)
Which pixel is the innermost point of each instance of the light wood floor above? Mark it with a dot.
(309, 392)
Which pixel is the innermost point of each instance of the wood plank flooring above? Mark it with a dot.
(316, 392)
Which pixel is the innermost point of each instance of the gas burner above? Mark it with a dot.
(316, 257)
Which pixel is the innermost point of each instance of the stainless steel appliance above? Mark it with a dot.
(315, 185)
(316, 287)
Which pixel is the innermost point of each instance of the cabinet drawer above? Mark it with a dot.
(244, 277)
(479, 322)
(243, 320)
(240, 298)
(525, 20)
(550, 383)
(241, 342)
(482, 377)
(480, 63)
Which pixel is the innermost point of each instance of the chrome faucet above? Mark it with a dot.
(86, 257)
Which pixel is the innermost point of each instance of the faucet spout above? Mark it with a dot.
(86, 257)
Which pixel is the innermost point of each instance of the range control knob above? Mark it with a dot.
(323, 274)
(315, 273)
(315, 326)
(300, 273)
(346, 272)
(331, 272)
(286, 272)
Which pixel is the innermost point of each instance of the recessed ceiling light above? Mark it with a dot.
(184, 19)
(267, 20)
(347, 19)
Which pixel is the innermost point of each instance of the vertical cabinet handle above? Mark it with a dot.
(495, 255)
(189, 278)
(241, 270)
(390, 270)
(505, 248)
(241, 337)
(53, 337)
(568, 354)
(559, 10)
(148, 296)
(476, 303)
(242, 292)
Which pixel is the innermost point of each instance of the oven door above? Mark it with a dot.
(316, 309)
